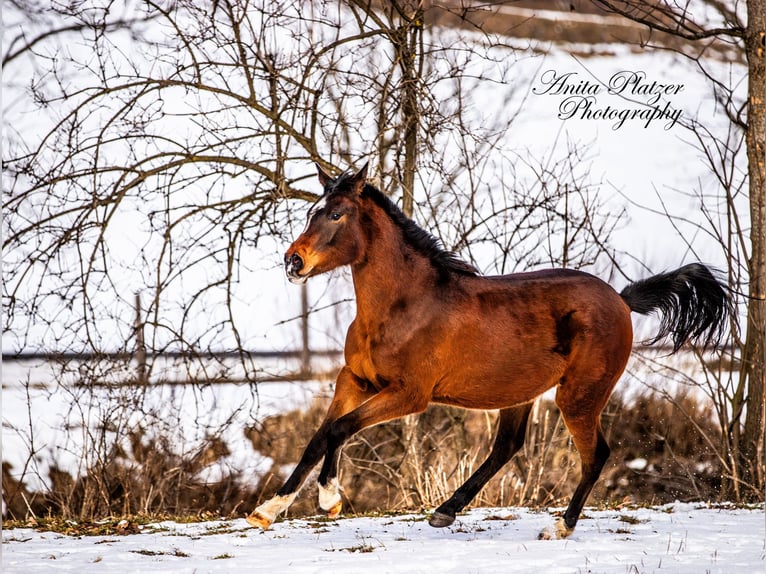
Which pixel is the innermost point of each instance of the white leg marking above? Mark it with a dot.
(267, 512)
(559, 532)
(329, 497)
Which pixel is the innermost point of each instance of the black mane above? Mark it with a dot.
(417, 237)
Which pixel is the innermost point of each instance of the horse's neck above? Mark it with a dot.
(391, 272)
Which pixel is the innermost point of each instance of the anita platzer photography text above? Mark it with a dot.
(627, 96)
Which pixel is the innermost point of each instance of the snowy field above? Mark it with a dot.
(679, 539)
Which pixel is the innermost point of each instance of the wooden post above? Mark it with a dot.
(140, 354)
(305, 351)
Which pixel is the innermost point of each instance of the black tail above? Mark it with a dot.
(692, 304)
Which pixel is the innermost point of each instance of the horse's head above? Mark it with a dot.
(332, 237)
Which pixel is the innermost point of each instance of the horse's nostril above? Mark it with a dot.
(296, 263)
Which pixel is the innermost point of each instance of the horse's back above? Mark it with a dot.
(554, 277)
(559, 290)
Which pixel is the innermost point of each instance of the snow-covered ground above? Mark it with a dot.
(678, 539)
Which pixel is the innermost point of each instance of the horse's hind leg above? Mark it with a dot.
(582, 415)
(594, 452)
(511, 430)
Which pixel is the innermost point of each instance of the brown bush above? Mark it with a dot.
(674, 437)
(417, 462)
(409, 464)
(150, 480)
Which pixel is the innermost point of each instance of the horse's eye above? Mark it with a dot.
(335, 216)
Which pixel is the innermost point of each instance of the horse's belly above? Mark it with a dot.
(490, 388)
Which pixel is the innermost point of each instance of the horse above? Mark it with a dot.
(430, 328)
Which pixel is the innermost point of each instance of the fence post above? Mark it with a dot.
(305, 352)
(140, 354)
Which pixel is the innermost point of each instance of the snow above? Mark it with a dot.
(637, 464)
(678, 538)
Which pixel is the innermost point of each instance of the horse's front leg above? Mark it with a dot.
(350, 392)
(267, 512)
(390, 403)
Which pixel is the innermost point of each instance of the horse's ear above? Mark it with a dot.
(324, 178)
(360, 178)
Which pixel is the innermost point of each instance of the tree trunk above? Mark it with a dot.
(754, 360)
(409, 56)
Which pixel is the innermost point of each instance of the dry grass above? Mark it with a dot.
(418, 462)
(409, 464)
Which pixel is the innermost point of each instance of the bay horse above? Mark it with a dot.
(429, 328)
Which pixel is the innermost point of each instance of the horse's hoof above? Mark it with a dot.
(440, 519)
(562, 530)
(335, 510)
(266, 513)
(258, 520)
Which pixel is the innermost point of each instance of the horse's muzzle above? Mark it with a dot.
(293, 266)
